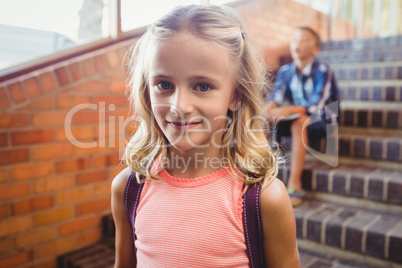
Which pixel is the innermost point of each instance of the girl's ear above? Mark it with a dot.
(235, 103)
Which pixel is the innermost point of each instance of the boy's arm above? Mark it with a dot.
(279, 225)
(125, 253)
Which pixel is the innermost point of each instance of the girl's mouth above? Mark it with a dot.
(184, 126)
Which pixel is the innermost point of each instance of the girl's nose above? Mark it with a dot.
(181, 102)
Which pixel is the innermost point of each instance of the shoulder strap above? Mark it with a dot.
(252, 224)
(132, 195)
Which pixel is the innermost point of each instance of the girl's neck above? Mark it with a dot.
(194, 163)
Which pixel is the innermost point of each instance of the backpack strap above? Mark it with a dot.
(132, 194)
(252, 225)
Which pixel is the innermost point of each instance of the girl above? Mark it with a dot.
(196, 85)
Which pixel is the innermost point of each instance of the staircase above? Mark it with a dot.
(354, 210)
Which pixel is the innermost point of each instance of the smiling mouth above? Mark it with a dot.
(185, 125)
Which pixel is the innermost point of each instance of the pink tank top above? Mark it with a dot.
(191, 222)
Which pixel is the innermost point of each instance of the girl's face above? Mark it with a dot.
(191, 88)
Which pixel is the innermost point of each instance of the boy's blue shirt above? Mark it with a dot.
(313, 89)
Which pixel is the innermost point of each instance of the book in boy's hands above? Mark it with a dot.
(291, 117)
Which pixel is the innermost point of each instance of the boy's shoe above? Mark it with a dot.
(296, 196)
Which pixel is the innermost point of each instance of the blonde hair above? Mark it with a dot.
(250, 153)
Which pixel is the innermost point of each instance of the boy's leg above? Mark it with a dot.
(298, 151)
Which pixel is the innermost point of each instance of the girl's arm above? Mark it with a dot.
(125, 253)
(278, 220)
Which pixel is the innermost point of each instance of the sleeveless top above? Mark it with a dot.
(191, 222)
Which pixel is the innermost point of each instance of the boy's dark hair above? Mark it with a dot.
(314, 33)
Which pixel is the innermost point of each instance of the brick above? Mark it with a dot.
(376, 119)
(344, 147)
(14, 225)
(117, 86)
(35, 237)
(52, 151)
(3, 139)
(89, 67)
(91, 177)
(389, 72)
(377, 93)
(89, 237)
(90, 87)
(393, 150)
(17, 92)
(113, 59)
(364, 93)
(115, 100)
(394, 194)
(364, 73)
(16, 259)
(78, 133)
(14, 190)
(86, 117)
(100, 63)
(333, 228)
(93, 150)
(29, 171)
(107, 160)
(48, 81)
(390, 93)
(377, 73)
(32, 137)
(354, 234)
(376, 149)
(62, 76)
(392, 119)
(395, 244)
(362, 118)
(314, 223)
(3, 211)
(116, 74)
(93, 206)
(339, 183)
(51, 184)
(33, 88)
(3, 175)
(75, 71)
(299, 215)
(14, 156)
(375, 239)
(11, 120)
(75, 196)
(76, 226)
(103, 189)
(360, 147)
(5, 245)
(375, 186)
(4, 102)
(55, 118)
(73, 165)
(56, 247)
(54, 215)
(29, 205)
(48, 263)
(71, 101)
(40, 104)
(348, 118)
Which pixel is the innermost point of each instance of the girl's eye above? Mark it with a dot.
(164, 85)
(203, 87)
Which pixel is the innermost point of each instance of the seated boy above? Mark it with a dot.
(302, 88)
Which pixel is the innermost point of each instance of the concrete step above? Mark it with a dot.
(373, 188)
(368, 235)
(363, 43)
(374, 117)
(367, 72)
(385, 90)
(385, 148)
(384, 54)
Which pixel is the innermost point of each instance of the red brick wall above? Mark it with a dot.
(53, 193)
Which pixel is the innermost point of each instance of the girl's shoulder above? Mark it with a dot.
(119, 182)
(275, 198)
